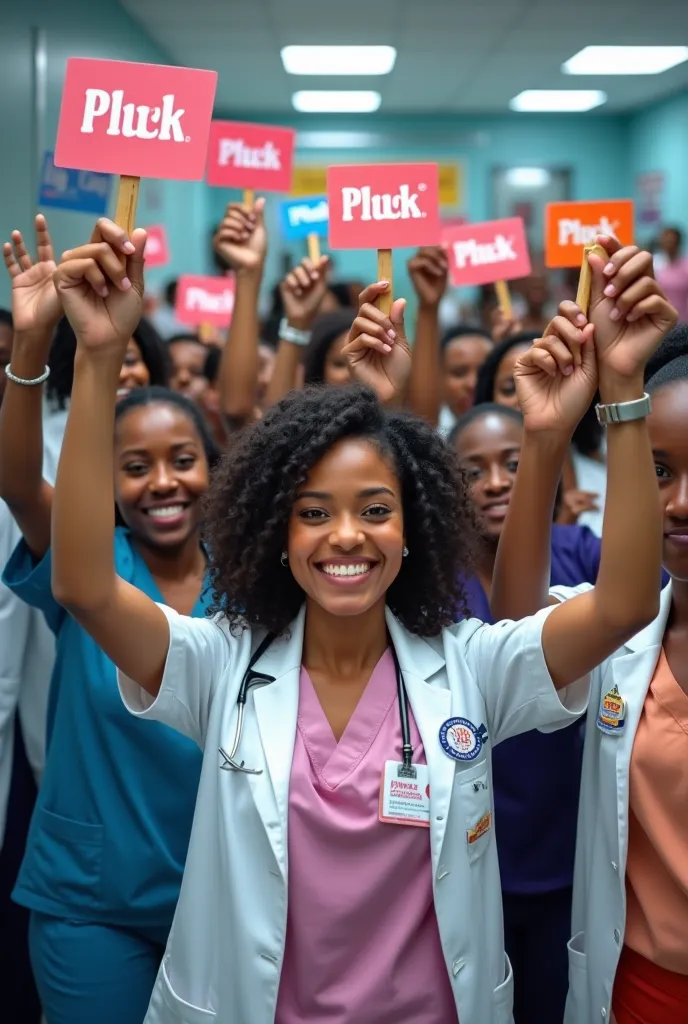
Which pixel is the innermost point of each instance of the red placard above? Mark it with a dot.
(157, 252)
(496, 250)
(255, 156)
(571, 226)
(383, 206)
(205, 300)
(142, 120)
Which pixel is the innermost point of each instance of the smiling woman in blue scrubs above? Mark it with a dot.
(110, 831)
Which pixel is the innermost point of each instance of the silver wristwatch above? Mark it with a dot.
(293, 334)
(624, 412)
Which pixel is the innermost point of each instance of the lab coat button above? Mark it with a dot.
(457, 965)
(617, 936)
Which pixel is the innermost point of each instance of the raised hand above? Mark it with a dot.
(303, 290)
(630, 313)
(35, 303)
(377, 349)
(429, 271)
(241, 239)
(101, 287)
(556, 378)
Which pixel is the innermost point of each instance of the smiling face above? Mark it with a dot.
(346, 531)
(161, 472)
(134, 372)
(489, 448)
(461, 359)
(668, 425)
(504, 385)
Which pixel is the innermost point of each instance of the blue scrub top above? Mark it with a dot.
(536, 775)
(111, 827)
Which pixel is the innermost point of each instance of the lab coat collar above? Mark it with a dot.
(654, 633)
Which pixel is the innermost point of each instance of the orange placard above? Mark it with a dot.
(571, 226)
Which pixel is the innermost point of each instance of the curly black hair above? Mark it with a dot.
(255, 485)
(63, 350)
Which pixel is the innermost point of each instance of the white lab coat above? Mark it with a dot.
(225, 950)
(599, 891)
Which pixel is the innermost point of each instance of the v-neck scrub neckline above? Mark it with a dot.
(362, 936)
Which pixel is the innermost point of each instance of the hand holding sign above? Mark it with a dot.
(303, 290)
(241, 240)
(100, 286)
(429, 271)
(377, 350)
(628, 309)
(35, 303)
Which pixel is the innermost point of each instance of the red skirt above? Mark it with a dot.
(647, 994)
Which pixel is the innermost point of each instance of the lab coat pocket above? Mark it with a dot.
(183, 1012)
(70, 854)
(503, 997)
(476, 804)
(576, 1002)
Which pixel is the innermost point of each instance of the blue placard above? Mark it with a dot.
(303, 217)
(66, 189)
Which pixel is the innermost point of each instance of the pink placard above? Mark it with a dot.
(157, 252)
(255, 156)
(496, 250)
(143, 120)
(383, 206)
(205, 300)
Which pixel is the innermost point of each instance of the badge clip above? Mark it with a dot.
(611, 717)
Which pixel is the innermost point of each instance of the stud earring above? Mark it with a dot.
(285, 558)
(405, 551)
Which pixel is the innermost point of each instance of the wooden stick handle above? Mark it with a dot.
(385, 272)
(585, 279)
(127, 199)
(504, 298)
(314, 249)
(249, 198)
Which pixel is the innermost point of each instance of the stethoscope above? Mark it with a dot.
(253, 678)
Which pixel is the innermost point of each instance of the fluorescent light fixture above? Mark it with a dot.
(338, 60)
(625, 60)
(336, 102)
(527, 177)
(557, 101)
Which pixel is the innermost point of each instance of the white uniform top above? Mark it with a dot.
(599, 890)
(226, 946)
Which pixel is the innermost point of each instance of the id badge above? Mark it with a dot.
(404, 800)
(611, 716)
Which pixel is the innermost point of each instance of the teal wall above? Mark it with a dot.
(658, 142)
(89, 29)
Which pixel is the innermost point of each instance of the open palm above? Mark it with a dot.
(35, 302)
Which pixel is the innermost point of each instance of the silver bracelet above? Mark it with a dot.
(22, 380)
(624, 412)
(293, 334)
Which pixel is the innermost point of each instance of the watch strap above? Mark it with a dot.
(624, 412)
(293, 334)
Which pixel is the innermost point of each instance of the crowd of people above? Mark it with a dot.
(344, 674)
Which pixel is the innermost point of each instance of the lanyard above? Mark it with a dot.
(406, 769)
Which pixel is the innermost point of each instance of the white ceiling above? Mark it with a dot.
(454, 56)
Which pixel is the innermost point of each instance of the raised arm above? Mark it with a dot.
(302, 290)
(241, 241)
(556, 383)
(36, 310)
(428, 272)
(631, 316)
(377, 349)
(101, 288)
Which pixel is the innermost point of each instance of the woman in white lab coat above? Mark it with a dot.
(342, 530)
(628, 958)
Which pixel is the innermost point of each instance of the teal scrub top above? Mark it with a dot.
(111, 827)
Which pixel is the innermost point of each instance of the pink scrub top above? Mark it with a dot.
(362, 937)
